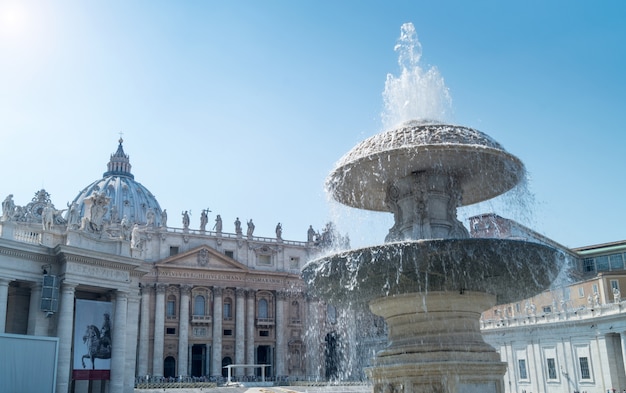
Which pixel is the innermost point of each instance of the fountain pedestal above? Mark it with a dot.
(435, 345)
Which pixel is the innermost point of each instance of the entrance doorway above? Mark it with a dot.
(331, 356)
(169, 367)
(264, 356)
(198, 356)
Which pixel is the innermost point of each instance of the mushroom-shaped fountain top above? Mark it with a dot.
(480, 166)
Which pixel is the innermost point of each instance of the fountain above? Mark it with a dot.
(430, 281)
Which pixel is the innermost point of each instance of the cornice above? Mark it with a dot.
(86, 260)
(29, 255)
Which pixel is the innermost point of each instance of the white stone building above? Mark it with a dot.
(571, 338)
(111, 279)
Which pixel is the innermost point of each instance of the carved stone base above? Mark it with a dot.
(435, 345)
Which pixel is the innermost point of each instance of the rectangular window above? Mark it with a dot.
(294, 262)
(566, 294)
(230, 254)
(584, 368)
(522, 369)
(588, 265)
(551, 368)
(602, 263)
(228, 332)
(617, 263)
(595, 288)
(227, 312)
(581, 292)
(170, 330)
(171, 309)
(265, 260)
(614, 284)
(547, 309)
(264, 333)
(518, 308)
(173, 251)
(199, 331)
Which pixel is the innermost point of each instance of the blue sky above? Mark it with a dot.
(245, 106)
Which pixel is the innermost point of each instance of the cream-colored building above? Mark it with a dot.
(112, 279)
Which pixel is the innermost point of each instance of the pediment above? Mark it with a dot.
(203, 257)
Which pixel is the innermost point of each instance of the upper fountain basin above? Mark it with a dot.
(482, 167)
(510, 269)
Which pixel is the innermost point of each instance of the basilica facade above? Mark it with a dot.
(129, 296)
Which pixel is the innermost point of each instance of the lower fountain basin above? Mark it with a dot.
(510, 269)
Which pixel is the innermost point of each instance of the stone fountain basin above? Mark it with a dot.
(510, 269)
(481, 166)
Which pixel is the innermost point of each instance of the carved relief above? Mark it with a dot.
(203, 257)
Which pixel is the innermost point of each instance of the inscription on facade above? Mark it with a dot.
(219, 277)
(97, 272)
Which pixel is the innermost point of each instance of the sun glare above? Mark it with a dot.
(26, 37)
(13, 20)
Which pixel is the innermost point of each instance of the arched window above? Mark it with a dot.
(171, 307)
(226, 362)
(263, 311)
(169, 367)
(198, 305)
(228, 312)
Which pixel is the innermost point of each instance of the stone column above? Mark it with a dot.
(132, 327)
(118, 346)
(159, 331)
(281, 297)
(144, 332)
(216, 358)
(622, 337)
(207, 360)
(183, 330)
(250, 330)
(240, 320)
(65, 326)
(4, 298)
(37, 321)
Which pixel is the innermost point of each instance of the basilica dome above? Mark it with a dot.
(123, 196)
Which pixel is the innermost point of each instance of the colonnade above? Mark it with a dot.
(39, 324)
(133, 313)
(244, 338)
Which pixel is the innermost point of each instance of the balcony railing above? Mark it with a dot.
(265, 321)
(201, 319)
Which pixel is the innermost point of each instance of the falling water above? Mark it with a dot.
(416, 93)
(430, 272)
